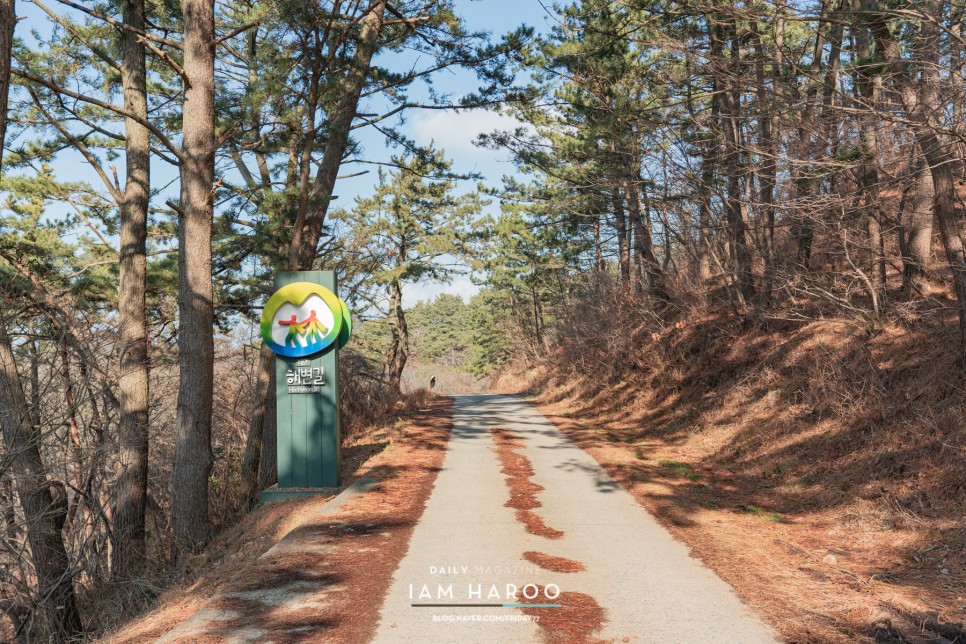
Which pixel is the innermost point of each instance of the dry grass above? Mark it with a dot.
(816, 467)
(366, 402)
(233, 553)
(362, 544)
(449, 380)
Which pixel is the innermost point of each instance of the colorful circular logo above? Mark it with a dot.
(302, 319)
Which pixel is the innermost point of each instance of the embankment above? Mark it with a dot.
(818, 468)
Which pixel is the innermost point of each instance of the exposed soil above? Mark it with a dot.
(817, 469)
(523, 492)
(573, 623)
(343, 563)
(550, 562)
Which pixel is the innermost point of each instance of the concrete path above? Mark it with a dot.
(468, 546)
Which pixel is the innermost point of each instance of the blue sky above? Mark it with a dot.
(455, 132)
(451, 131)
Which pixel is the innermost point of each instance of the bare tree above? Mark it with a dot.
(44, 504)
(922, 108)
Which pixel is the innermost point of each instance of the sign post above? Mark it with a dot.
(305, 323)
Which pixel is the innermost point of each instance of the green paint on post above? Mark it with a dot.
(306, 389)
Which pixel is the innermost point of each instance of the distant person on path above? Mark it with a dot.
(432, 383)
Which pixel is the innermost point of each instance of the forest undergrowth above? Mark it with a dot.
(372, 414)
(814, 462)
(402, 451)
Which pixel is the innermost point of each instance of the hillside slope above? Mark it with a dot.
(816, 467)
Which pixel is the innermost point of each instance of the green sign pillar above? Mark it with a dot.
(305, 323)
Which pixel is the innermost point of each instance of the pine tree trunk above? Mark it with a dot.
(44, 509)
(192, 457)
(399, 348)
(256, 429)
(704, 216)
(919, 243)
(598, 251)
(8, 20)
(651, 270)
(767, 106)
(75, 438)
(268, 464)
(130, 492)
(726, 79)
(869, 172)
(804, 182)
(538, 324)
(918, 246)
(623, 245)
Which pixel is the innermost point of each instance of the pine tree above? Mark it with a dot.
(411, 222)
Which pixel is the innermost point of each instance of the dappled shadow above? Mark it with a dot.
(287, 593)
(603, 482)
(360, 453)
(793, 424)
(929, 625)
(326, 579)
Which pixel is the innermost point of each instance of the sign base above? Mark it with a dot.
(276, 493)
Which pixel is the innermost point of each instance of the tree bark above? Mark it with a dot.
(130, 491)
(75, 437)
(623, 244)
(44, 508)
(651, 270)
(598, 251)
(259, 446)
(704, 214)
(538, 325)
(254, 444)
(193, 457)
(8, 21)
(268, 464)
(918, 243)
(399, 347)
(868, 85)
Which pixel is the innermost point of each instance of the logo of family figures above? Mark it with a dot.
(302, 318)
(310, 328)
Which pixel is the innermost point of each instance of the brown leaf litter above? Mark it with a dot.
(327, 579)
(523, 492)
